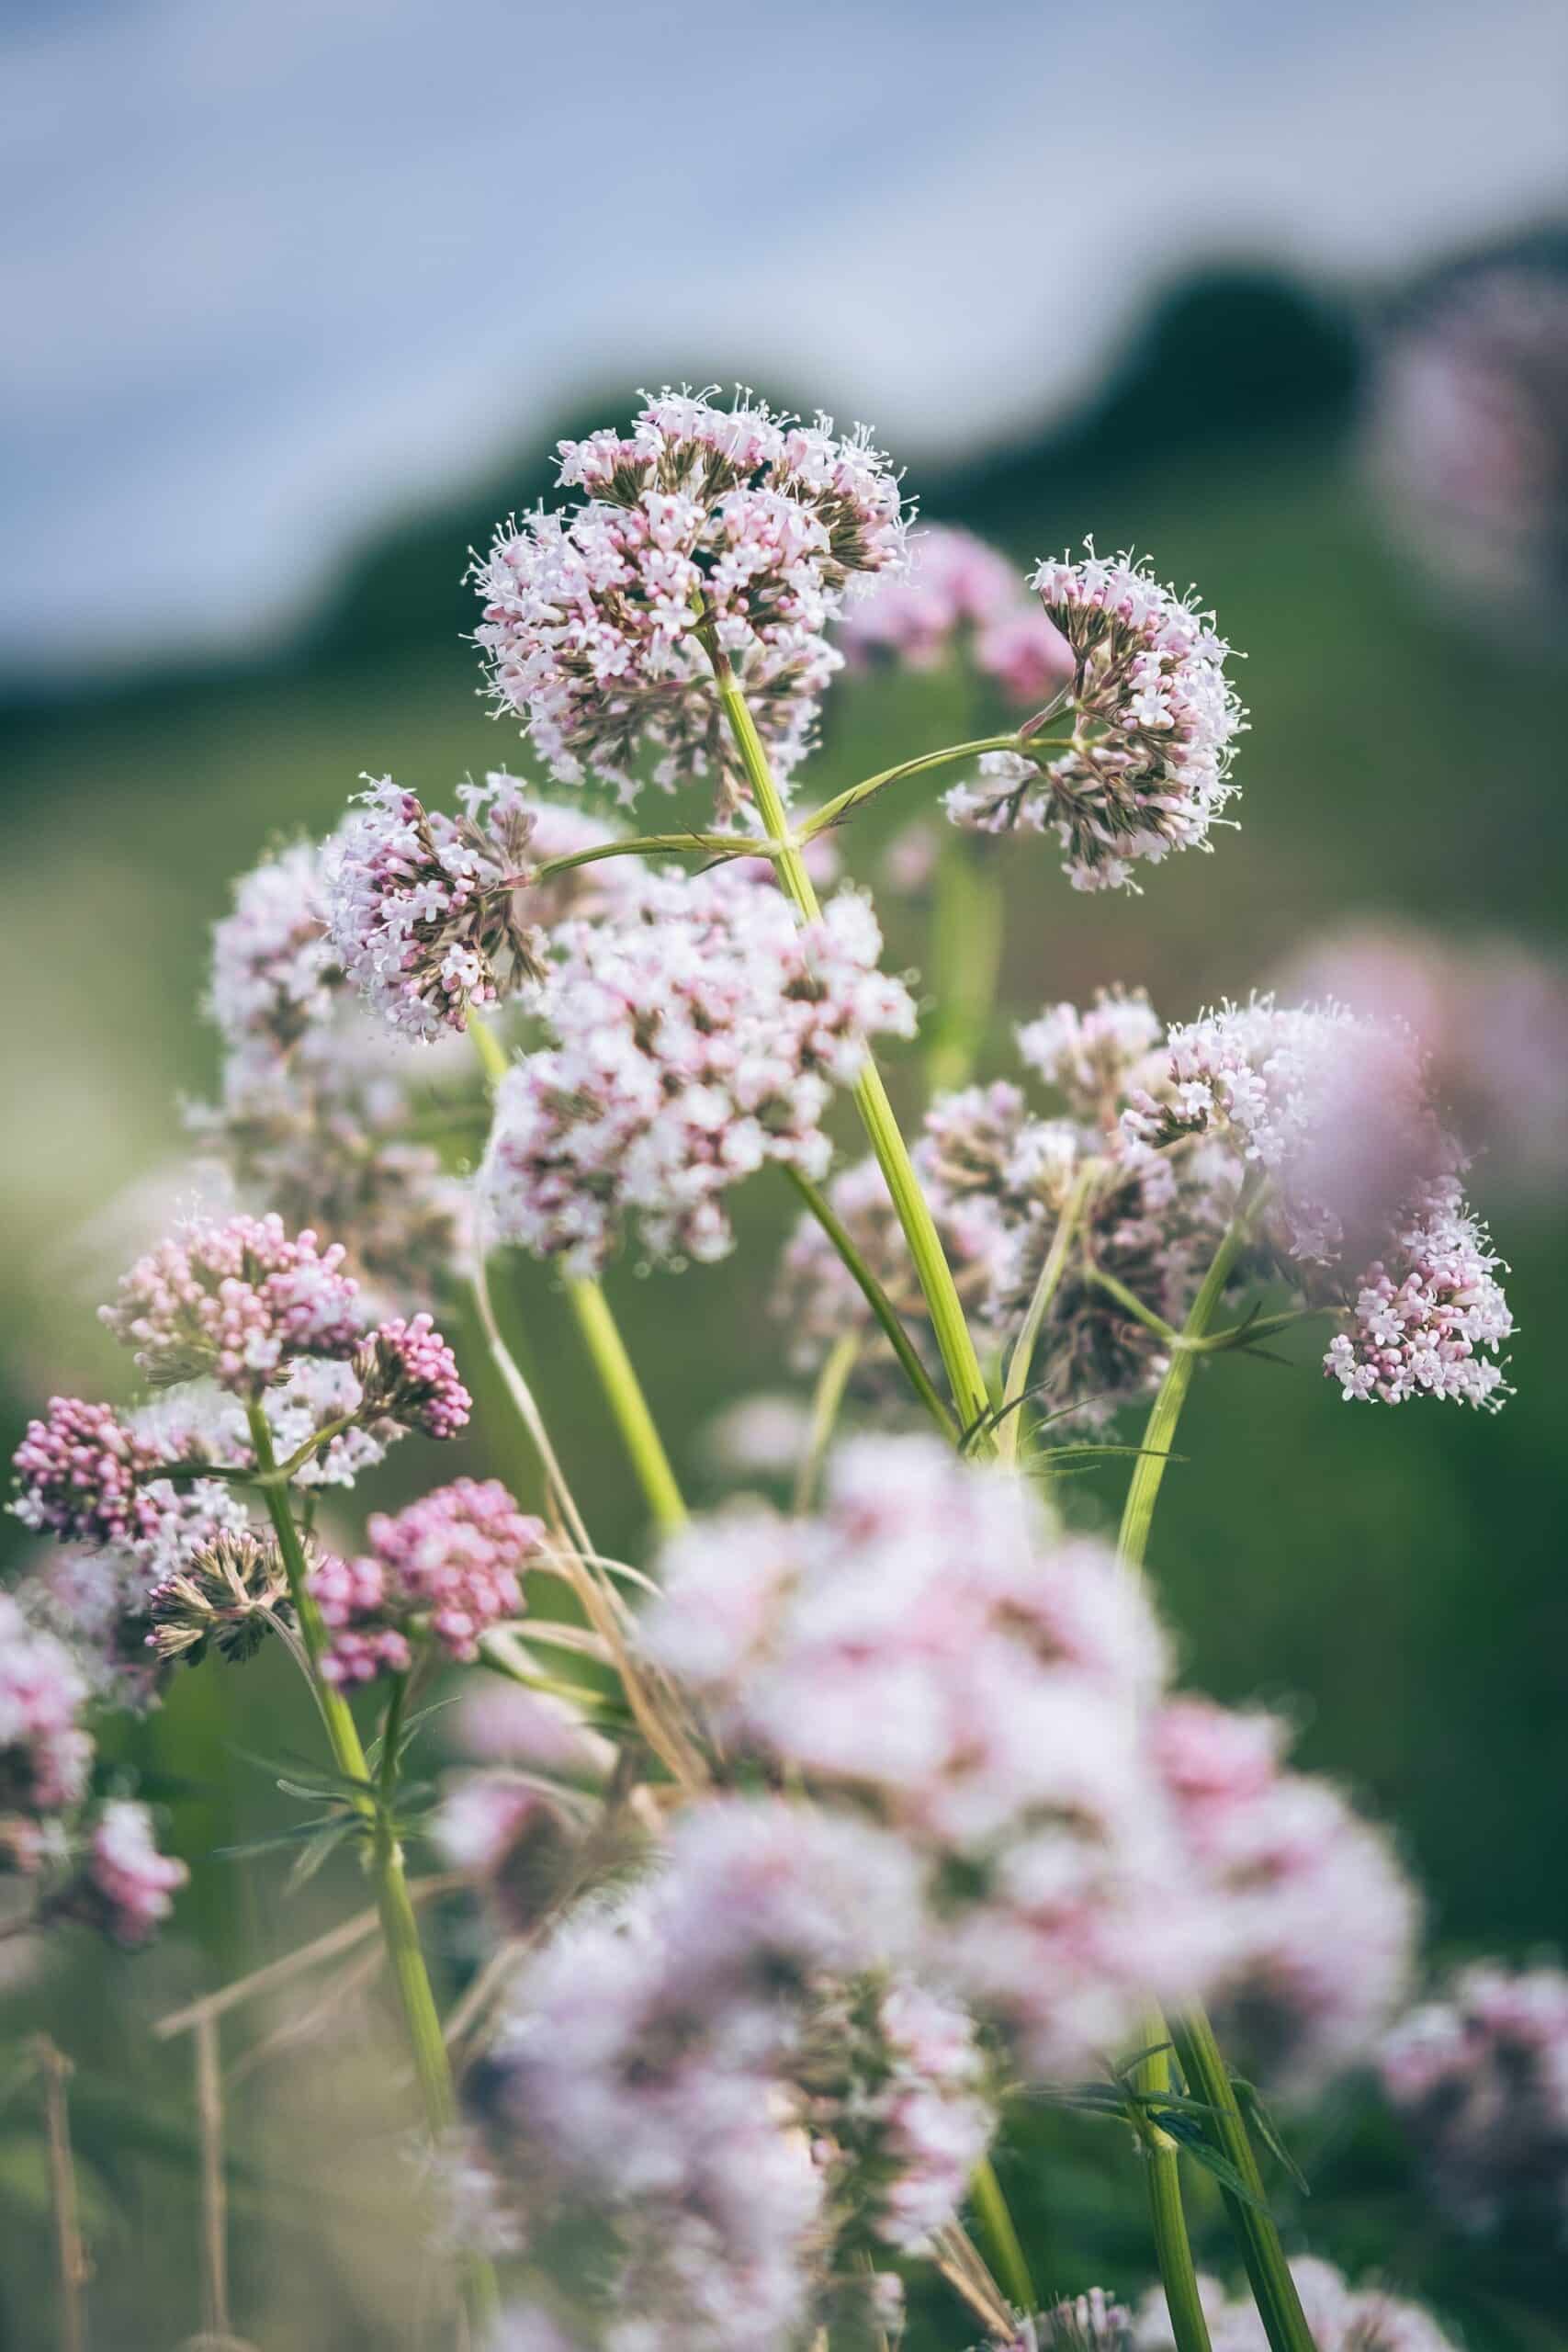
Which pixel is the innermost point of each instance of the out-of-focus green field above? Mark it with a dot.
(1397, 1575)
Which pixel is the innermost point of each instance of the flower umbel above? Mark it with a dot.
(1154, 722)
(760, 521)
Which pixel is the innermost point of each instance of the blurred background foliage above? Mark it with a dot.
(1396, 1579)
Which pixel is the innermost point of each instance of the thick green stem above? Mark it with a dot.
(618, 1374)
(1268, 2273)
(1208, 2077)
(876, 1298)
(1173, 2248)
(957, 1349)
(628, 1404)
(400, 1928)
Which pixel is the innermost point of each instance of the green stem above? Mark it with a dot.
(399, 1929)
(1268, 2273)
(720, 845)
(1148, 1472)
(1002, 2238)
(957, 1349)
(1208, 2078)
(827, 1396)
(628, 1403)
(1173, 2248)
(1022, 1361)
(966, 954)
(876, 1298)
(831, 812)
(618, 1374)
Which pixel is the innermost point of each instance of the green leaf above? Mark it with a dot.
(320, 1849)
(1191, 2136)
(1250, 2101)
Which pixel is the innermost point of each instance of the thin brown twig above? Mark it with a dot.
(214, 2184)
(70, 2254)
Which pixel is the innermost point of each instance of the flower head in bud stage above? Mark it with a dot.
(1323, 1921)
(127, 1886)
(1155, 721)
(956, 587)
(761, 522)
(1340, 2318)
(691, 1044)
(77, 1474)
(44, 1754)
(236, 1300)
(431, 913)
(409, 1376)
(1479, 2078)
(1364, 1200)
(352, 1599)
(230, 1596)
(451, 1563)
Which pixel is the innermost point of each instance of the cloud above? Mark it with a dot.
(279, 267)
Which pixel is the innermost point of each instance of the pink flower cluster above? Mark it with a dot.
(451, 1562)
(1493, 1017)
(237, 1300)
(1335, 1111)
(760, 521)
(128, 1883)
(1340, 2318)
(351, 1595)
(1479, 2078)
(656, 2078)
(409, 1376)
(44, 1754)
(930, 1650)
(78, 1471)
(1154, 722)
(431, 913)
(691, 1044)
(958, 589)
(927, 1650)
(1320, 1919)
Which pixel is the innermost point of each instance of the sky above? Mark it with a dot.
(273, 272)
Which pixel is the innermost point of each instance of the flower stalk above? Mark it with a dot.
(953, 1336)
(372, 1801)
(624, 1392)
(1208, 2077)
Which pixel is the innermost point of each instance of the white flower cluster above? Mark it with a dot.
(999, 1174)
(668, 2077)
(757, 521)
(691, 1043)
(1154, 722)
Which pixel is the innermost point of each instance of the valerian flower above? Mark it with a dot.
(756, 522)
(691, 1044)
(1154, 725)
